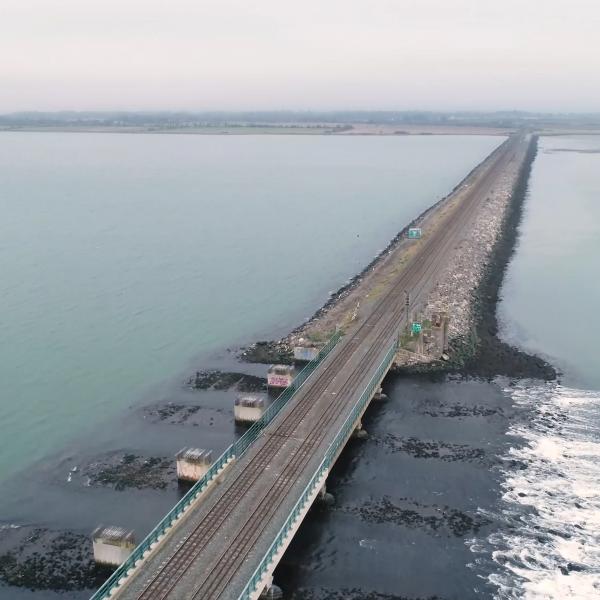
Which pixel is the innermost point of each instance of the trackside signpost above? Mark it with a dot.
(414, 233)
(416, 328)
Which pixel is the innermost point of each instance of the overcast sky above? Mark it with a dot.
(306, 54)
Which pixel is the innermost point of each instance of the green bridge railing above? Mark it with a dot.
(235, 450)
(330, 457)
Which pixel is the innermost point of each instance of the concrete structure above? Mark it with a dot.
(280, 376)
(305, 352)
(359, 432)
(193, 463)
(379, 395)
(112, 545)
(271, 592)
(227, 543)
(248, 409)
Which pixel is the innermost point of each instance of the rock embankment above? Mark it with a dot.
(469, 288)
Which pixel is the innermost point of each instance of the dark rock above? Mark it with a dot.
(130, 471)
(351, 594)
(428, 449)
(41, 559)
(223, 380)
(274, 352)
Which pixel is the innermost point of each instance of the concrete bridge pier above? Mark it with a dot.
(325, 497)
(359, 432)
(271, 591)
(193, 463)
(248, 409)
(112, 545)
(379, 395)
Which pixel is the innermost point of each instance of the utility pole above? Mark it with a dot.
(407, 304)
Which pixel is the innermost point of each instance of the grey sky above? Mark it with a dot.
(309, 54)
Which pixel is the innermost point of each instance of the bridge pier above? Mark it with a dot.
(248, 409)
(271, 591)
(193, 463)
(280, 376)
(112, 545)
(325, 497)
(359, 432)
(379, 395)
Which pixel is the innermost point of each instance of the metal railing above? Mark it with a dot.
(327, 462)
(235, 450)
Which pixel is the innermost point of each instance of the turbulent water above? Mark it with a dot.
(549, 542)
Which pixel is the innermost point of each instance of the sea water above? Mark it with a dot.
(123, 257)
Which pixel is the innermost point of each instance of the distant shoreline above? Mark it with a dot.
(300, 129)
(291, 129)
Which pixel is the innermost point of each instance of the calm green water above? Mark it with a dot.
(124, 256)
(551, 297)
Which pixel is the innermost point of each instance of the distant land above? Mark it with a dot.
(303, 122)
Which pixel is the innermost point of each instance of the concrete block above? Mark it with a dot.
(272, 592)
(248, 409)
(193, 463)
(112, 545)
(379, 395)
(305, 353)
(280, 376)
(325, 497)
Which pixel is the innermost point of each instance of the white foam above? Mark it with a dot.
(548, 546)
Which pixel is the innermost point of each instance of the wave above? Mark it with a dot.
(548, 542)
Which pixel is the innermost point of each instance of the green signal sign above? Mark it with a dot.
(414, 233)
(416, 327)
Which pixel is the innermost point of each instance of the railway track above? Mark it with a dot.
(376, 332)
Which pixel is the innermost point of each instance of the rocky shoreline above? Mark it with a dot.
(492, 356)
(476, 348)
(226, 380)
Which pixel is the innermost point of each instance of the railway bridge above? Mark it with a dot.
(224, 539)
